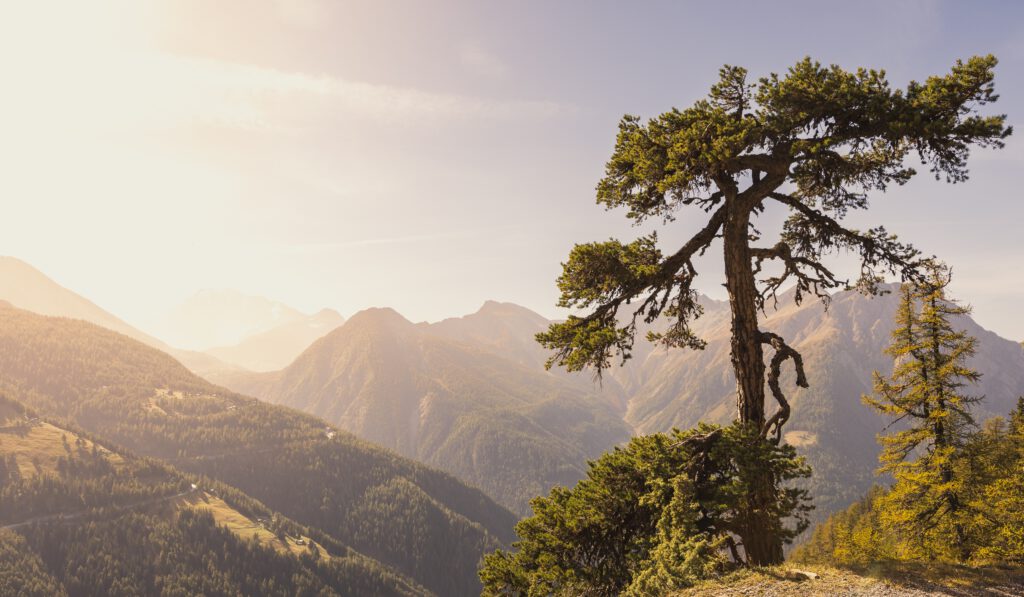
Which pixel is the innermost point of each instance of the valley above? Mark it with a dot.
(109, 384)
(94, 493)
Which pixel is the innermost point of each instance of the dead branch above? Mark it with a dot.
(783, 351)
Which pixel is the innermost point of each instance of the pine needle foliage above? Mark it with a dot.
(654, 516)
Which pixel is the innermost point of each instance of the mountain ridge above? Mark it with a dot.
(143, 399)
(277, 347)
(659, 389)
(24, 286)
(448, 402)
(223, 317)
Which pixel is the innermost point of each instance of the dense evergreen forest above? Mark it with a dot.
(142, 399)
(86, 518)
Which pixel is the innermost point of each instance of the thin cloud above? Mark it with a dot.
(386, 240)
(140, 91)
(254, 97)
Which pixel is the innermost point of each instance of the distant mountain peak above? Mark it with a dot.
(224, 317)
(280, 345)
(379, 316)
(327, 313)
(15, 262)
(499, 307)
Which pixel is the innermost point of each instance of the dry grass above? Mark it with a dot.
(890, 580)
(243, 526)
(801, 439)
(175, 398)
(37, 447)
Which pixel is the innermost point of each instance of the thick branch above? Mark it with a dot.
(668, 271)
(753, 161)
(782, 352)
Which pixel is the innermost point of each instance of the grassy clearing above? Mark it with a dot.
(243, 526)
(170, 403)
(37, 447)
(801, 439)
(882, 580)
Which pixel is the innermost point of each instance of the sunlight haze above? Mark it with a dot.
(421, 156)
(405, 298)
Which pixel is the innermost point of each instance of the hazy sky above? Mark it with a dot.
(422, 155)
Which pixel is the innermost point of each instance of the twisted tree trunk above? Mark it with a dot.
(760, 539)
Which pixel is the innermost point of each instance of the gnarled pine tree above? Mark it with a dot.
(816, 141)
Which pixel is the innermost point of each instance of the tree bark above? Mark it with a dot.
(760, 539)
(747, 355)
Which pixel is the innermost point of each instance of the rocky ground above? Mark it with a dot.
(890, 581)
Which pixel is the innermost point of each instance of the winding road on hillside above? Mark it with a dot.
(70, 516)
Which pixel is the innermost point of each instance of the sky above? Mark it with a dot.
(425, 156)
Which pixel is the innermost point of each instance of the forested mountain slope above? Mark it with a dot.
(68, 502)
(512, 429)
(144, 400)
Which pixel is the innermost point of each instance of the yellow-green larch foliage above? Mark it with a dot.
(995, 471)
(927, 505)
(989, 467)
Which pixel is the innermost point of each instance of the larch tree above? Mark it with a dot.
(926, 393)
(816, 141)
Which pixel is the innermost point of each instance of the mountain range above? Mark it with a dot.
(469, 395)
(223, 317)
(421, 523)
(441, 398)
(233, 331)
